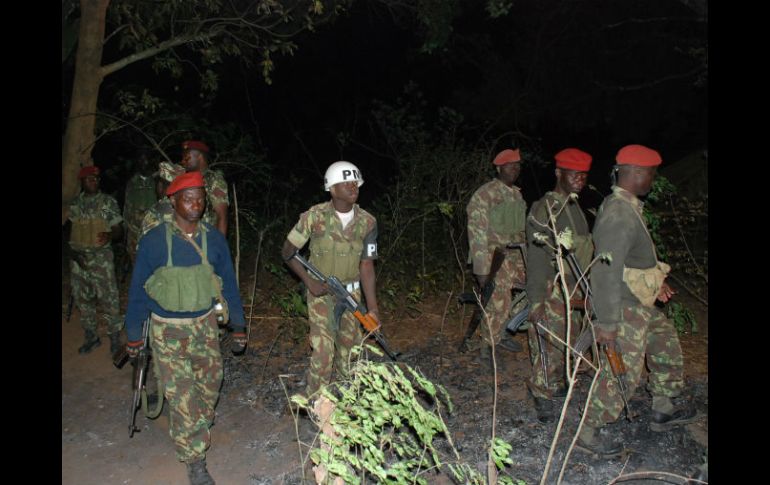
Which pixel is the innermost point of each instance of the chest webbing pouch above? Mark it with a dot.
(507, 218)
(85, 232)
(338, 257)
(183, 288)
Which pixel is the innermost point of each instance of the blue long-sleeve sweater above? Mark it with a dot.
(152, 254)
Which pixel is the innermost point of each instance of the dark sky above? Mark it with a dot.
(592, 74)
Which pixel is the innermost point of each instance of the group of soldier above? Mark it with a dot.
(183, 279)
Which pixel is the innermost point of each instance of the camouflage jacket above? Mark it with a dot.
(161, 212)
(140, 196)
(540, 257)
(97, 206)
(496, 216)
(216, 193)
(360, 231)
(620, 231)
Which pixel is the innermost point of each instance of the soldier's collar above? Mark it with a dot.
(628, 196)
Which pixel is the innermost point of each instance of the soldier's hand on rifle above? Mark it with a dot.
(239, 342)
(665, 293)
(604, 336)
(375, 313)
(316, 287)
(134, 347)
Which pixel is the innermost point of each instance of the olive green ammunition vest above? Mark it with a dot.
(506, 220)
(85, 232)
(338, 258)
(184, 288)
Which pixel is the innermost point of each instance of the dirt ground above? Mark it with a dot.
(253, 439)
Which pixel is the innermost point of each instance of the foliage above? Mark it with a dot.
(385, 420)
(683, 318)
(661, 188)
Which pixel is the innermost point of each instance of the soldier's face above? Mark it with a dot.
(191, 160)
(571, 181)
(90, 184)
(189, 204)
(510, 172)
(345, 191)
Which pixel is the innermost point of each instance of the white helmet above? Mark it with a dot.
(342, 172)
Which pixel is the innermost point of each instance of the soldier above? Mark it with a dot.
(624, 292)
(343, 243)
(182, 268)
(496, 214)
(96, 222)
(162, 211)
(140, 196)
(546, 298)
(195, 158)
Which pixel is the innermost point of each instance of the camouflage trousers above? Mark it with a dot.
(94, 284)
(189, 365)
(331, 342)
(556, 322)
(643, 332)
(499, 306)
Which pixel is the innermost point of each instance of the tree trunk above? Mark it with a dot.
(79, 137)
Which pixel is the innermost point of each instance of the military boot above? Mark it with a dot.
(115, 343)
(593, 442)
(92, 341)
(665, 415)
(198, 474)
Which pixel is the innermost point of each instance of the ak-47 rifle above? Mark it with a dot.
(139, 379)
(486, 293)
(345, 301)
(586, 339)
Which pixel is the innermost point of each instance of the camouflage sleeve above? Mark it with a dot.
(539, 269)
(300, 233)
(613, 234)
(370, 244)
(478, 224)
(112, 211)
(149, 221)
(217, 189)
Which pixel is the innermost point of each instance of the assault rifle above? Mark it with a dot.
(139, 379)
(586, 339)
(345, 301)
(498, 257)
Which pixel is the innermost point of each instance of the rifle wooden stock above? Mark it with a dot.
(615, 359)
(369, 323)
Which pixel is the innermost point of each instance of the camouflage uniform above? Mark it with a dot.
(161, 212)
(95, 281)
(140, 196)
(541, 290)
(216, 193)
(496, 215)
(335, 252)
(185, 344)
(642, 331)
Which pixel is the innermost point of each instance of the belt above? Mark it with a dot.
(201, 318)
(353, 286)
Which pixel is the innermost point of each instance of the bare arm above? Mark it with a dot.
(369, 286)
(221, 210)
(316, 287)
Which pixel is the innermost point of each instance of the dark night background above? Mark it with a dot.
(550, 74)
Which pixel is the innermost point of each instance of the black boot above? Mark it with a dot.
(115, 343)
(593, 442)
(670, 415)
(198, 474)
(92, 341)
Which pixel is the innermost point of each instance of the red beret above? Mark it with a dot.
(89, 170)
(638, 155)
(188, 180)
(506, 156)
(195, 145)
(573, 159)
